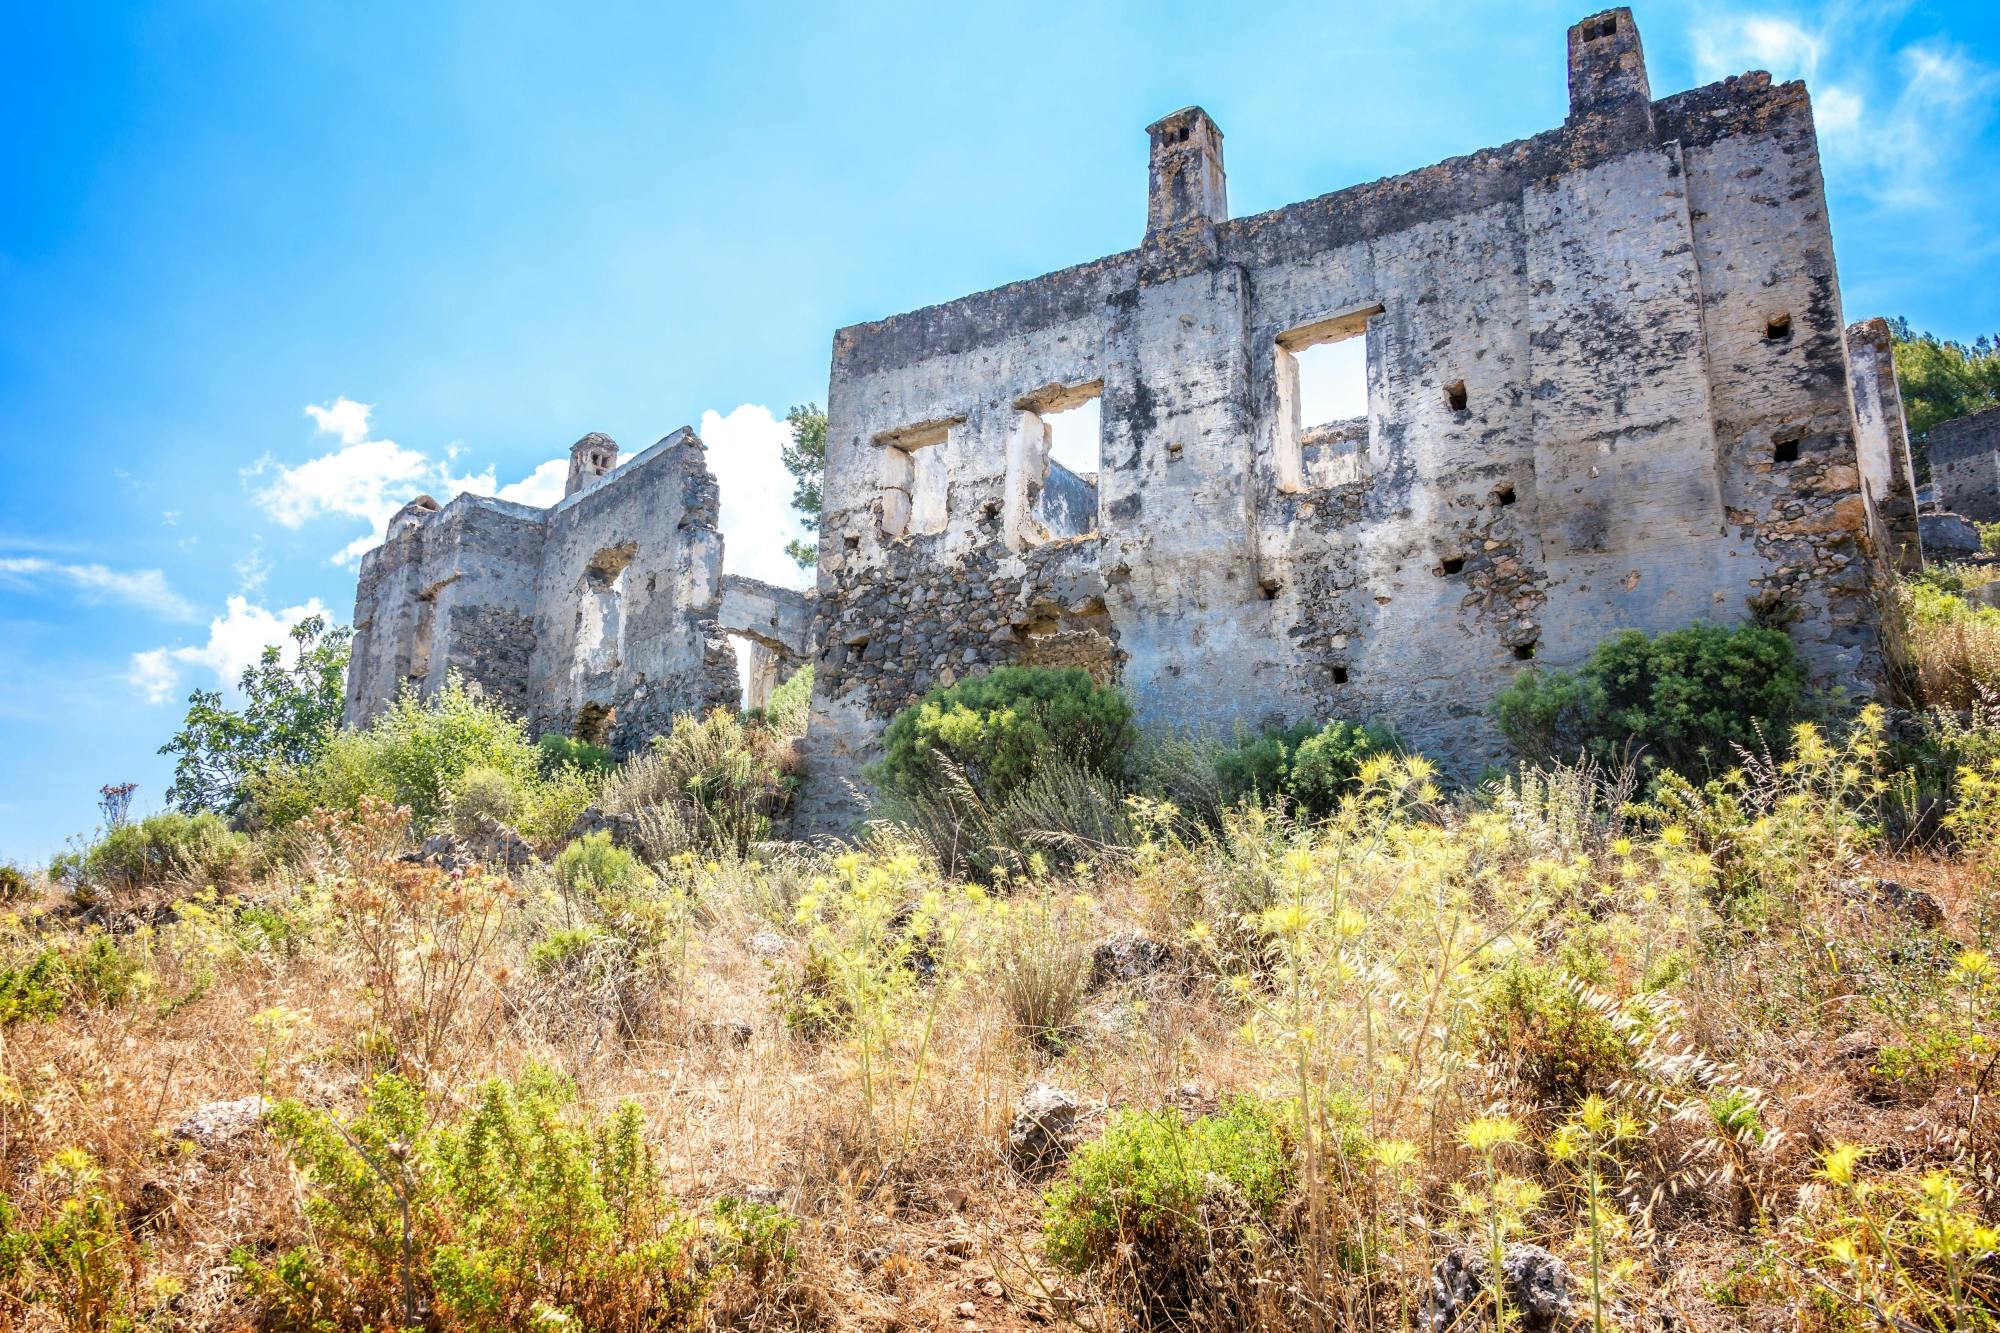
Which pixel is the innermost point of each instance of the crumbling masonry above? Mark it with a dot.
(1607, 384)
(600, 617)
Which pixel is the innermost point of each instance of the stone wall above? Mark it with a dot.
(596, 617)
(1965, 465)
(1608, 385)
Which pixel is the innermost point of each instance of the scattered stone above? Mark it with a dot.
(967, 1310)
(1129, 956)
(768, 943)
(1536, 1284)
(1043, 1130)
(219, 1123)
(492, 845)
(992, 1289)
(624, 829)
(1919, 907)
(767, 1196)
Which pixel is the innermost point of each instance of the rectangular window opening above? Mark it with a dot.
(1785, 447)
(1060, 457)
(1340, 675)
(915, 482)
(1454, 395)
(1322, 401)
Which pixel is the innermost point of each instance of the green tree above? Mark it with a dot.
(1943, 380)
(289, 710)
(805, 459)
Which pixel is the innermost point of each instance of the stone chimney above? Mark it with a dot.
(1607, 75)
(1184, 183)
(589, 459)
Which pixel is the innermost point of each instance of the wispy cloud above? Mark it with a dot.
(1896, 119)
(235, 640)
(91, 583)
(370, 479)
(745, 454)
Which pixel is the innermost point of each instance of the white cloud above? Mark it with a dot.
(540, 488)
(370, 479)
(146, 589)
(235, 640)
(1891, 120)
(744, 453)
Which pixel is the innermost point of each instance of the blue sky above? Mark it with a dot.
(268, 270)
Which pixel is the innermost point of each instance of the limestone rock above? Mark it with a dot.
(624, 828)
(1044, 1128)
(219, 1123)
(1536, 1283)
(1129, 956)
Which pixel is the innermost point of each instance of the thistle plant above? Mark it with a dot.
(1586, 1143)
(1498, 1201)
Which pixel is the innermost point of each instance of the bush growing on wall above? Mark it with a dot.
(1310, 767)
(996, 727)
(1683, 700)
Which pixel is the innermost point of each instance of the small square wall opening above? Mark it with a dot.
(1777, 328)
(1059, 457)
(1454, 395)
(1451, 564)
(1504, 495)
(915, 482)
(1340, 675)
(1524, 652)
(1785, 446)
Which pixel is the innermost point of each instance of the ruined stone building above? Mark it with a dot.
(1965, 465)
(1607, 384)
(600, 617)
(1600, 378)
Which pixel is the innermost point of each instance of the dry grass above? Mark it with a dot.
(1345, 965)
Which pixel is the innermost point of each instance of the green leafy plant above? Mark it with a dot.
(786, 710)
(1684, 700)
(527, 1210)
(1150, 1203)
(1310, 766)
(414, 755)
(711, 784)
(290, 710)
(171, 849)
(1558, 1038)
(556, 752)
(996, 727)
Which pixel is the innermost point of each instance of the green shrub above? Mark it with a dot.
(1152, 1202)
(97, 973)
(15, 886)
(1950, 646)
(528, 1210)
(995, 728)
(33, 990)
(557, 752)
(164, 849)
(1310, 767)
(598, 869)
(789, 704)
(1683, 700)
(550, 807)
(484, 793)
(416, 754)
(1558, 1040)
(717, 782)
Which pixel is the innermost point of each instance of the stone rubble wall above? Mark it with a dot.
(1608, 384)
(1965, 465)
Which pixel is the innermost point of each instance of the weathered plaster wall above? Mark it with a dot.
(1888, 478)
(597, 617)
(1965, 465)
(1607, 387)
